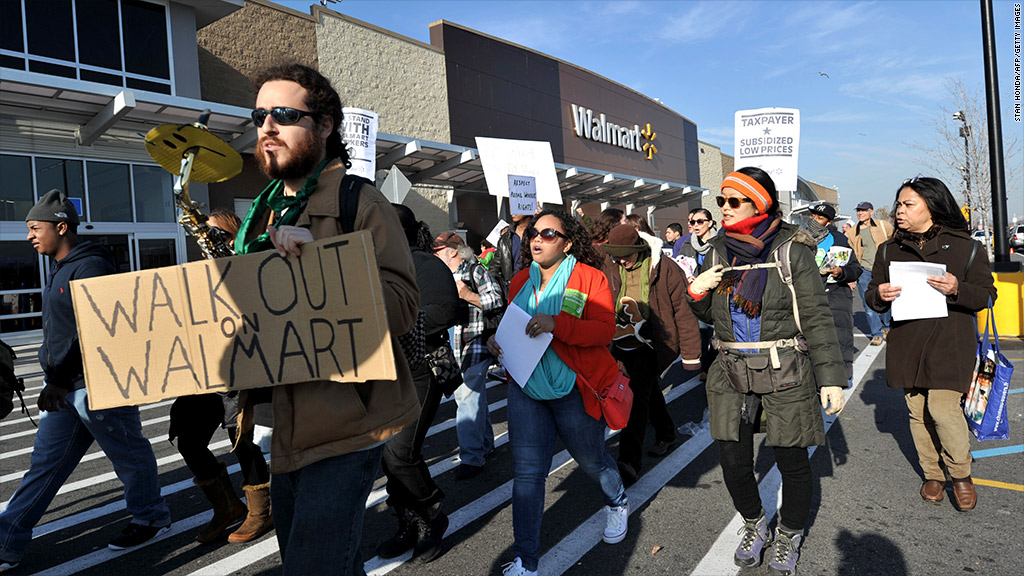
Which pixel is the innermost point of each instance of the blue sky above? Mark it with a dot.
(888, 63)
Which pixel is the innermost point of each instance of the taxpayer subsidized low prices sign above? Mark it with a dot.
(769, 139)
(234, 323)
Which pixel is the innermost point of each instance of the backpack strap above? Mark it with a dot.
(786, 273)
(348, 200)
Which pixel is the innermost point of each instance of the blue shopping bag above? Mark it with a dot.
(985, 404)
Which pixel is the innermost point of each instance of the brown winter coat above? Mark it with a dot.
(322, 419)
(935, 352)
(673, 327)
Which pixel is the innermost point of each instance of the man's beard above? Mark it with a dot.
(304, 158)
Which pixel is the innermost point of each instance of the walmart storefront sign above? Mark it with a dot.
(596, 127)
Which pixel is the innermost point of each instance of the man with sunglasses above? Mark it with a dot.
(653, 327)
(328, 436)
(865, 238)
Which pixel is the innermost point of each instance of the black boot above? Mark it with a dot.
(404, 539)
(430, 533)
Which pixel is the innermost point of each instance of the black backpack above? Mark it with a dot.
(10, 384)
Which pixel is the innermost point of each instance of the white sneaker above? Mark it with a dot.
(515, 568)
(615, 523)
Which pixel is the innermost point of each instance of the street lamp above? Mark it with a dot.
(965, 133)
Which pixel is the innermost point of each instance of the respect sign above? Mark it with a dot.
(234, 323)
(522, 194)
(769, 139)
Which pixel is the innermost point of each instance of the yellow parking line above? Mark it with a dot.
(996, 484)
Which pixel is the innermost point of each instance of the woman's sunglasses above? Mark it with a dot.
(734, 202)
(281, 115)
(701, 221)
(548, 235)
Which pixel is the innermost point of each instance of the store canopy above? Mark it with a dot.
(43, 105)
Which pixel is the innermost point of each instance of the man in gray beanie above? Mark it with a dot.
(67, 427)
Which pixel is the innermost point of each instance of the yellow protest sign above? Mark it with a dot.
(234, 323)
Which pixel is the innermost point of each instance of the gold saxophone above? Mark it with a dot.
(192, 153)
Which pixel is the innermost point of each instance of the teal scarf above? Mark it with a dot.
(286, 211)
(552, 378)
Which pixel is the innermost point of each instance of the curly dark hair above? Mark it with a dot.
(322, 100)
(608, 218)
(938, 198)
(582, 248)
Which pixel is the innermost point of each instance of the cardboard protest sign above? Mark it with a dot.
(234, 323)
(769, 139)
(359, 132)
(501, 158)
(522, 194)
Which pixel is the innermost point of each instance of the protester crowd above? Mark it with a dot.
(757, 307)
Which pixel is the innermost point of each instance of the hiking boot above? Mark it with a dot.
(403, 540)
(515, 568)
(876, 341)
(785, 552)
(616, 521)
(227, 508)
(755, 538)
(135, 535)
(885, 334)
(258, 520)
(430, 530)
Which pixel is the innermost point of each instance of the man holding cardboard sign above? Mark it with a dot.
(67, 427)
(328, 435)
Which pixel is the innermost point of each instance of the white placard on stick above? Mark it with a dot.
(769, 139)
(501, 157)
(359, 132)
(522, 194)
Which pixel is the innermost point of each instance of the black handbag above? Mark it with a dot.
(445, 367)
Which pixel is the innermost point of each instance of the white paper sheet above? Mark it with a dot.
(917, 298)
(520, 353)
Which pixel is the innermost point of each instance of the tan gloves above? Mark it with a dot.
(707, 279)
(832, 395)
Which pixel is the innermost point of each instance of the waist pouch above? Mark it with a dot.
(779, 367)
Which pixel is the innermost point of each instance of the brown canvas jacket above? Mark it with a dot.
(322, 419)
(880, 231)
(935, 352)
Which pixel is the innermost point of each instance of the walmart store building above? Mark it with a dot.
(78, 88)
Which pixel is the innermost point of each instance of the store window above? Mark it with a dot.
(21, 298)
(15, 187)
(62, 174)
(119, 42)
(110, 198)
(156, 253)
(153, 197)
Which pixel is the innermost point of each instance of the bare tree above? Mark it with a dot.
(958, 165)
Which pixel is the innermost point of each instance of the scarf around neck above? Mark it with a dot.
(286, 211)
(643, 262)
(748, 242)
(918, 239)
(699, 245)
(817, 231)
(552, 378)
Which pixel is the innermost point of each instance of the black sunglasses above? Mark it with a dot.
(281, 115)
(696, 222)
(548, 235)
(734, 202)
(911, 180)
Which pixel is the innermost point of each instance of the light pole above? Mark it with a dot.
(965, 133)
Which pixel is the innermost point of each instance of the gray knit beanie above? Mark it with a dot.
(54, 206)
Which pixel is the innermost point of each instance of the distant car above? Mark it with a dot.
(1017, 237)
(978, 235)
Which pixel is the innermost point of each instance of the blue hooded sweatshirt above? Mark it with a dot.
(60, 356)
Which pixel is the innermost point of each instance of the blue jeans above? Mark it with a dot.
(532, 425)
(318, 513)
(61, 441)
(876, 322)
(472, 420)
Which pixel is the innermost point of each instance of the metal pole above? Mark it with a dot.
(965, 131)
(995, 142)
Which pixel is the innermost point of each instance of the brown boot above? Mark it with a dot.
(227, 508)
(259, 519)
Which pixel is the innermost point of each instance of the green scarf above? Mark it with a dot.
(643, 262)
(286, 211)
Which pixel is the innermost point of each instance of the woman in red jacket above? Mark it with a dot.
(566, 294)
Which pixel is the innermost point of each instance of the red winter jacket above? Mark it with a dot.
(582, 343)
